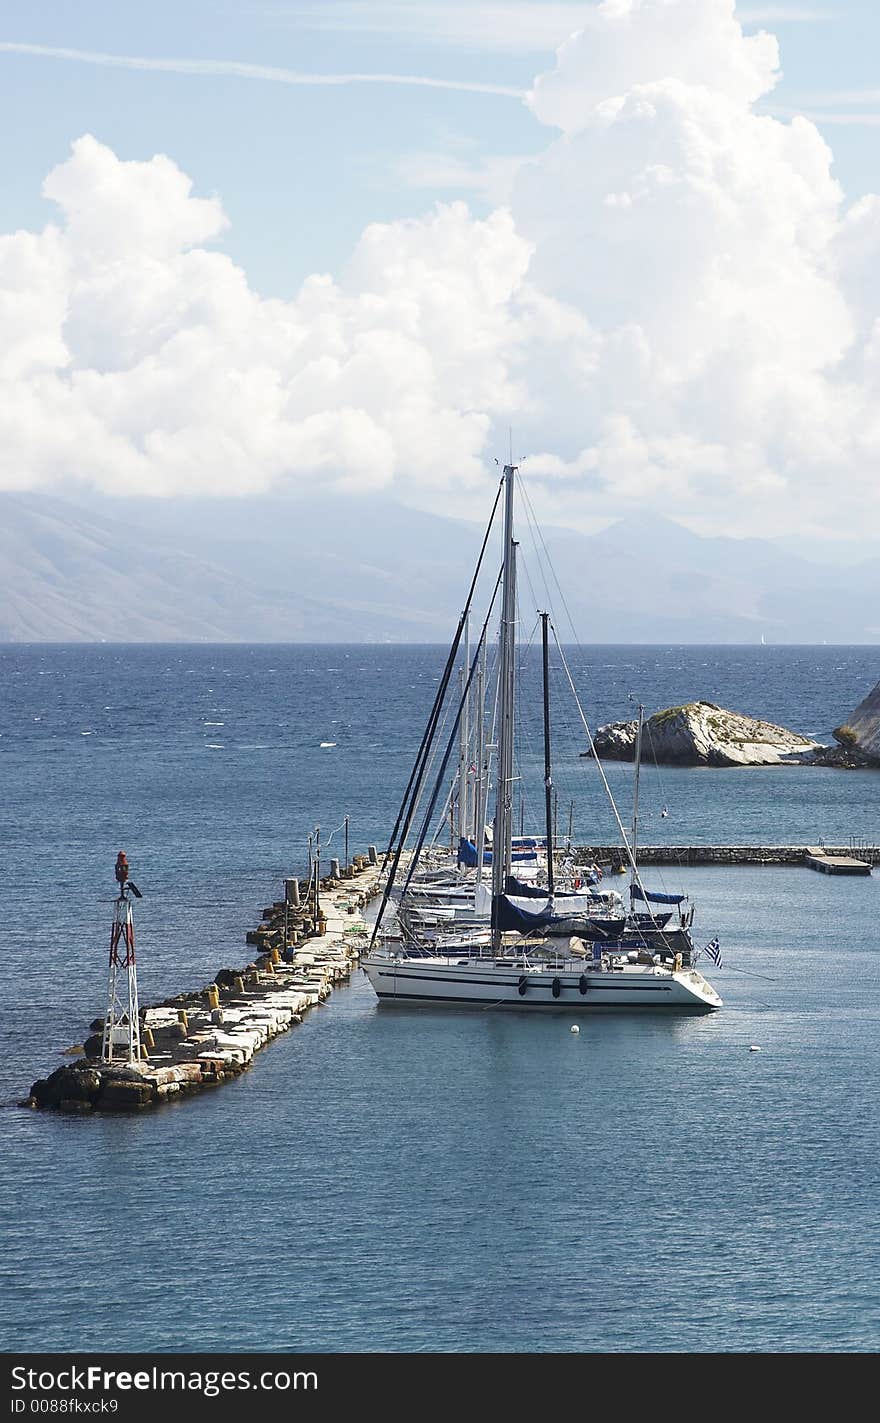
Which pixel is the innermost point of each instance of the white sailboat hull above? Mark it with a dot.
(487, 983)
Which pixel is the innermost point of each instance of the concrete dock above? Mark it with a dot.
(832, 862)
(199, 1039)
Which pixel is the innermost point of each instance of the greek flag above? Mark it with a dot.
(712, 950)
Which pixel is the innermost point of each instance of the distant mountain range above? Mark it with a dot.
(364, 569)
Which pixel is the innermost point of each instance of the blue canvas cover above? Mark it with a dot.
(510, 916)
(655, 897)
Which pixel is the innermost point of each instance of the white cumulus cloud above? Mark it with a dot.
(136, 359)
(678, 309)
(626, 43)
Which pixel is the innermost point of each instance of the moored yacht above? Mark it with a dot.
(522, 963)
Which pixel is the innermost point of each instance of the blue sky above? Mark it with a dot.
(631, 248)
(302, 170)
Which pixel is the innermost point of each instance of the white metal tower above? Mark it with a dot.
(122, 1028)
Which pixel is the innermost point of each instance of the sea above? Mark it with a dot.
(396, 1180)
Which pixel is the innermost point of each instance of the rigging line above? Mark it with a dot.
(440, 827)
(647, 727)
(601, 770)
(534, 529)
(418, 767)
(748, 973)
(524, 565)
(524, 752)
(560, 777)
(430, 760)
(413, 790)
(530, 514)
(441, 822)
(654, 758)
(441, 774)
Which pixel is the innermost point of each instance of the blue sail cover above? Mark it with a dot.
(655, 897)
(523, 890)
(508, 915)
(467, 854)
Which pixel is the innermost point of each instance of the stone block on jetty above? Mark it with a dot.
(702, 734)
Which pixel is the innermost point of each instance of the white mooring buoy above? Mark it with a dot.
(574, 1028)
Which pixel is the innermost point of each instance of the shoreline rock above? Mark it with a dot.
(703, 734)
(860, 733)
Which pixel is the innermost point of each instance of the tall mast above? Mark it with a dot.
(635, 820)
(501, 838)
(480, 786)
(463, 739)
(548, 781)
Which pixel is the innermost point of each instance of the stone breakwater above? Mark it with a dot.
(199, 1039)
(613, 857)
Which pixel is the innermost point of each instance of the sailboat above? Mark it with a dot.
(516, 969)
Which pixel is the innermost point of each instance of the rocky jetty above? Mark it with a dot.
(197, 1039)
(702, 734)
(860, 733)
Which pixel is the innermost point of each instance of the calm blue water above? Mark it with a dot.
(394, 1180)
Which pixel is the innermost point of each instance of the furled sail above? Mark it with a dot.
(468, 854)
(655, 897)
(562, 914)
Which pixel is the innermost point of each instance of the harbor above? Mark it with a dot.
(443, 439)
(368, 1125)
(308, 943)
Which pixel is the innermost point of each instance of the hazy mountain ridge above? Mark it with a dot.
(361, 568)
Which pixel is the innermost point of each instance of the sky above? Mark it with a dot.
(257, 247)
